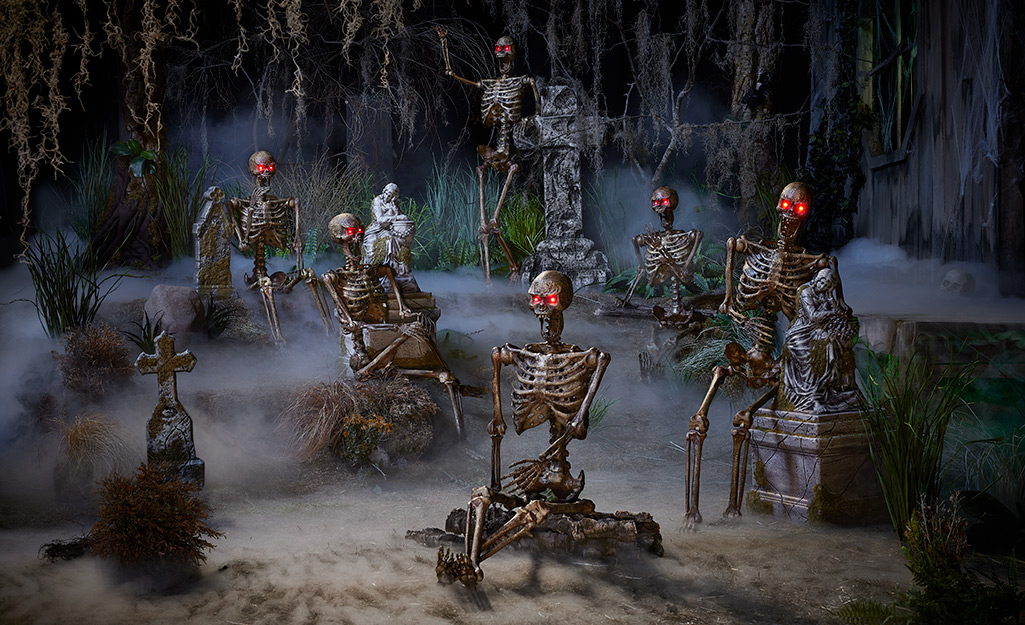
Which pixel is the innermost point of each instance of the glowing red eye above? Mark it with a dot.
(359, 230)
(270, 167)
(498, 48)
(785, 203)
(535, 300)
(801, 208)
(259, 167)
(553, 299)
(350, 231)
(507, 48)
(665, 201)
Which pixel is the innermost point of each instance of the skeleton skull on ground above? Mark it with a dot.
(551, 293)
(793, 207)
(959, 282)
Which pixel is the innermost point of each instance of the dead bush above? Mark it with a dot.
(95, 361)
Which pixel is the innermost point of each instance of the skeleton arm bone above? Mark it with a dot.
(640, 271)
(443, 35)
(499, 356)
(537, 96)
(578, 425)
(733, 246)
(389, 273)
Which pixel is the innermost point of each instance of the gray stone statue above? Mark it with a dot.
(389, 239)
(818, 357)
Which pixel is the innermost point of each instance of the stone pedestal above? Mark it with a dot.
(212, 235)
(814, 467)
(412, 354)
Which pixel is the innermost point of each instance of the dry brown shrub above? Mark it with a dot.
(95, 360)
(323, 416)
(92, 446)
(152, 518)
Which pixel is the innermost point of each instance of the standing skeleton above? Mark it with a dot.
(772, 273)
(668, 253)
(263, 220)
(555, 382)
(360, 303)
(501, 106)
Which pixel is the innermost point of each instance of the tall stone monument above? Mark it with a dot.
(560, 134)
(169, 438)
(213, 248)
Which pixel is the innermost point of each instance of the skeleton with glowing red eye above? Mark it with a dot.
(262, 221)
(668, 253)
(555, 382)
(770, 277)
(501, 106)
(360, 303)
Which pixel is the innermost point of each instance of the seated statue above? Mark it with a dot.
(389, 240)
(818, 357)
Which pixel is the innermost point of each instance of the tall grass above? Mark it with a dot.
(69, 291)
(180, 193)
(91, 183)
(912, 402)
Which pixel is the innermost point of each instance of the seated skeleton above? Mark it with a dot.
(554, 382)
(362, 308)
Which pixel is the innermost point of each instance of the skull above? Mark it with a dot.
(261, 165)
(958, 281)
(346, 230)
(793, 207)
(505, 52)
(664, 201)
(551, 292)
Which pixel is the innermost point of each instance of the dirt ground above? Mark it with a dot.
(321, 543)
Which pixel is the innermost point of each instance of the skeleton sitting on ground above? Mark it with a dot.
(361, 306)
(668, 256)
(501, 106)
(555, 382)
(772, 273)
(263, 220)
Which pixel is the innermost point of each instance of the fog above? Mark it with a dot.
(321, 542)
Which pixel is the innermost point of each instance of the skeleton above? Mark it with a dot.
(263, 220)
(555, 382)
(772, 273)
(501, 106)
(668, 253)
(360, 303)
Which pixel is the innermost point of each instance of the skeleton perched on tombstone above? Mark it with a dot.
(361, 305)
(262, 221)
(501, 106)
(555, 382)
(771, 275)
(668, 253)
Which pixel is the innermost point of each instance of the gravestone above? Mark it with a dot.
(560, 134)
(213, 248)
(169, 438)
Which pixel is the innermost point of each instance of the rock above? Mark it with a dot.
(178, 309)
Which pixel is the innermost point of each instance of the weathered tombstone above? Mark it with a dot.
(213, 248)
(169, 438)
(560, 135)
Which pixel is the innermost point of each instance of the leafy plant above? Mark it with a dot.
(181, 196)
(946, 590)
(523, 219)
(69, 291)
(911, 404)
(146, 338)
(218, 316)
(142, 161)
(95, 360)
(91, 182)
(153, 517)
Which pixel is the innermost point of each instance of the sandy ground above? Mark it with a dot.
(321, 543)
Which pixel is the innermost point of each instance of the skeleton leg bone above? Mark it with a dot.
(267, 294)
(514, 268)
(484, 238)
(698, 430)
(741, 442)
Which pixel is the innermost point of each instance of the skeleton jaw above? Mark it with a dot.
(551, 325)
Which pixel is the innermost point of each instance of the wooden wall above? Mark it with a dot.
(914, 197)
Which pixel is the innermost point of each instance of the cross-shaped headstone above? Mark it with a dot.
(166, 364)
(169, 431)
(560, 135)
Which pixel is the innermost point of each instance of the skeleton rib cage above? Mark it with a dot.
(266, 219)
(502, 104)
(770, 279)
(550, 386)
(666, 249)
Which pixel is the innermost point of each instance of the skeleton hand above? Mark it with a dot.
(525, 474)
(453, 567)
